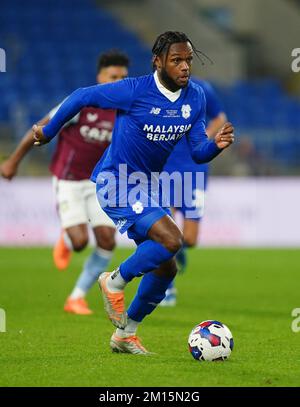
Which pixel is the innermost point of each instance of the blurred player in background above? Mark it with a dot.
(81, 143)
(145, 133)
(180, 160)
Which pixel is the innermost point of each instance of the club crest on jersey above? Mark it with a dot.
(155, 110)
(92, 117)
(186, 111)
(138, 207)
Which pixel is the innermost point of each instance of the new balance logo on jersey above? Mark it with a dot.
(92, 117)
(186, 111)
(155, 110)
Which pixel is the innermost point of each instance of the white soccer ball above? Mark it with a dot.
(210, 340)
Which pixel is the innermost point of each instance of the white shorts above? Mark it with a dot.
(77, 204)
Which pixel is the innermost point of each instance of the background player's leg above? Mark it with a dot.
(78, 237)
(191, 230)
(97, 262)
(190, 237)
(73, 217)
(73, 238)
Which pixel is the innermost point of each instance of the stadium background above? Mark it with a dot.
(253, 198)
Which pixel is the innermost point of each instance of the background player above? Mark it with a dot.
(81, 143)
(180, 160)
(144, 135)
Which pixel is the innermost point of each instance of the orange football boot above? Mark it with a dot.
(131, 344)
(113, 303)
(61, 254)
(77, 306)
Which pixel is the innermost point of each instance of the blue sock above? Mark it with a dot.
(148, 256)
(151, 292)
(95, 264)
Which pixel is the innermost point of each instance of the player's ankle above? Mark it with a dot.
(115, 283)
(129, 330)
(77, 293)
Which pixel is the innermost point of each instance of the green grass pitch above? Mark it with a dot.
(251, 291)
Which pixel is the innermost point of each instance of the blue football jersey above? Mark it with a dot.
(147, 130)
(148, 124)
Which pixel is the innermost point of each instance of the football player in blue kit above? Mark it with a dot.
(191, 206)
(153, 113)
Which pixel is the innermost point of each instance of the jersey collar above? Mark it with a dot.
(172, 96)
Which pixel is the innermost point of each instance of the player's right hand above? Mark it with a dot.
(8, 169)
(38, 135)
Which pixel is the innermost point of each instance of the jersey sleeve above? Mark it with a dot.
(53, 111)
(118, 95)
(213, 103)
(202, 149)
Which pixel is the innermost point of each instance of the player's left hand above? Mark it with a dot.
(38, 135)
(225, 137)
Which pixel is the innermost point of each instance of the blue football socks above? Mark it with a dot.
(148, 256)
(151, 291)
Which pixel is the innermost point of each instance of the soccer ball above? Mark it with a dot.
(210, 340)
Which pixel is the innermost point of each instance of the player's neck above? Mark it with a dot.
(167, 82)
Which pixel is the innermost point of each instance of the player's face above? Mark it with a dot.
(112, 74)
(175, 67)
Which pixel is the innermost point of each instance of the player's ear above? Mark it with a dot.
(157, 62)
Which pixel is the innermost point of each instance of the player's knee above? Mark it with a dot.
(108, 244)
(173, 242)
(79, 242)
(105, 237)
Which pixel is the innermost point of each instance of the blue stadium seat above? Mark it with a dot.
(53, 57)
(57, 47)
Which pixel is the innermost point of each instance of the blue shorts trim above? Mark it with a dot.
(139, 230)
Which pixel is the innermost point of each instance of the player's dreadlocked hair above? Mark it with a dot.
(165, 40)
(112, 58)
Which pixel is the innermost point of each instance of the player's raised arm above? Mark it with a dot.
(203, 149)
(117, 95)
